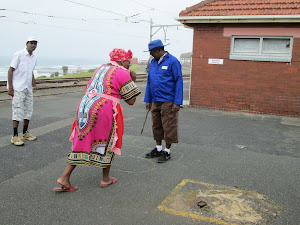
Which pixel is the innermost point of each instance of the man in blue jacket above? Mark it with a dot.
(164, 94)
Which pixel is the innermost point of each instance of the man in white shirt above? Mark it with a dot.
(21, 85)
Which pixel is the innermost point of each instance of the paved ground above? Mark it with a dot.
(255, 152)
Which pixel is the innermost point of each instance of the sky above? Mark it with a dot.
(87, 30)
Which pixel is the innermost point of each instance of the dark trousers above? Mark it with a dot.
(164, 122)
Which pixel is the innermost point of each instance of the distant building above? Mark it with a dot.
(134, 61)
(143, 62)
(186, 59)
(246, 55)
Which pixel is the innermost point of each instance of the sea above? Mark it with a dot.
(46, 67)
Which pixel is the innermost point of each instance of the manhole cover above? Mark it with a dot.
(219, 204)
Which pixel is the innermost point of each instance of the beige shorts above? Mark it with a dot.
(22, 105)
(164, 122)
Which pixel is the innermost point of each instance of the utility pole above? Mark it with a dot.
(151, 24)
(159, 27)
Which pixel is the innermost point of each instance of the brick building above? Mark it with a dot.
(246, 55)
(134, 61)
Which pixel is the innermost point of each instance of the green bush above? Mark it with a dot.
(41, 77)
(65, 70)
(91, 70)
(55, 74)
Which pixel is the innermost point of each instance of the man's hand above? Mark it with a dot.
(11, 92)
(175, 108)
(148, 106)
(133, 75)
(33, 89)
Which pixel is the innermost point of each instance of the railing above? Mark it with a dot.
(72, 82)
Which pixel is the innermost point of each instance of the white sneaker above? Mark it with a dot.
(16, 141)
(28, 136)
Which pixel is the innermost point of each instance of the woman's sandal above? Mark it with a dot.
(113, 180)
(68, 189)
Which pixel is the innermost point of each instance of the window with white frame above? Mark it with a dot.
(277, 49)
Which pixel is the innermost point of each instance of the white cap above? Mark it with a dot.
(32, 39)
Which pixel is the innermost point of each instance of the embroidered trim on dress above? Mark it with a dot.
(91, 159)
(115, 138)
(129, 90)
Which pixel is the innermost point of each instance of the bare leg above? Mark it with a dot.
(158, 142)
(105, 178)
(26, 122)
(168, 146)
(15, 124)
(64, 179)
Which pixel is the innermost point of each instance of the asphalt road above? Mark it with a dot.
(255, 152)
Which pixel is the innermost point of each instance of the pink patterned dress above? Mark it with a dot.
(98, 127)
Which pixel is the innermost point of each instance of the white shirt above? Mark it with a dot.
(161, 58)
(24, 65)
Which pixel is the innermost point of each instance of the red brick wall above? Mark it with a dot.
(251, 86)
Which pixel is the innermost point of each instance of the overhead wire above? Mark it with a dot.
(95, 8)
(39, 14)
(52, 16)
(92, 31)
(179, 28)
(86, 20)
(109, 11)
(139, 13)
(16, 21)
(150, 7)
(72, 18)
(81, 19)
(136, 20)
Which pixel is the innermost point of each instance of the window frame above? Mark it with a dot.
(260, 56)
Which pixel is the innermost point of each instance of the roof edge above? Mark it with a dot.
(198, 5)
(239, 19)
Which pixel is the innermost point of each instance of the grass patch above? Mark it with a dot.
(206, 209)
(280, 207)
(88, 74)
(71, 75)
(135, 67)
(75, 75)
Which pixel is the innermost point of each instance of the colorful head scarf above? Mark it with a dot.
(119, 54)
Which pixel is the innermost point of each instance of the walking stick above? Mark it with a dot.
(145, 121)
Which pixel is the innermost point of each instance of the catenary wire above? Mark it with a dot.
(91, 31)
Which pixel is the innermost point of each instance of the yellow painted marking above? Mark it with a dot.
(164, 205)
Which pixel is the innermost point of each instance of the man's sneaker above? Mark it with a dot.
(164, 158)
(28, 136)
(16, 141)
(154, 153)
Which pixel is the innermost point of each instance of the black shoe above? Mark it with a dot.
(164, 158)
(154, 153)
